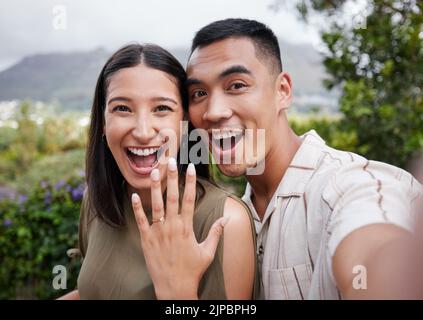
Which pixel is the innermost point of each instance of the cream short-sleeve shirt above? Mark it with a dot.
(324, 195)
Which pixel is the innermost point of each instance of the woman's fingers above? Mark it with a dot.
(209, 245)
(142, 222)
(188, 202)
(157, 207)
(172, 191)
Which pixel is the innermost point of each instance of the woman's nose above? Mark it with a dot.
(143, 130)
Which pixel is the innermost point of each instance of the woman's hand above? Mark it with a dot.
(175, 260)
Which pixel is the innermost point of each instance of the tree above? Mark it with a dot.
(378, 65)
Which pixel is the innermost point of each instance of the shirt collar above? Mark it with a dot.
(299, 171)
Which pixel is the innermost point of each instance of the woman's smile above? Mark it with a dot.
(143, 160)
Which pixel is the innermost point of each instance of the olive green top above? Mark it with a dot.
(113, 264)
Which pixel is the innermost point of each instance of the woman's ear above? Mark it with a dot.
(283, 91)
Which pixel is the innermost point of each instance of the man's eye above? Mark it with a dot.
(236, 86)
(198, 94)
(121, 108)
(163, 108)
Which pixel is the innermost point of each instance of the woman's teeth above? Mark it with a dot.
(143, 152)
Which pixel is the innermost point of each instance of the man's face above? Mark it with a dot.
(232, 90)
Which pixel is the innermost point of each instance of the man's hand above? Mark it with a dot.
(381, 250)
(175, 260)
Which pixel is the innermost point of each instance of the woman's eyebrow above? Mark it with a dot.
(153, 99)
(119, 99)
(159, 99)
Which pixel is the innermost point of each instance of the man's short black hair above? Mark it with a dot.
(265, 42)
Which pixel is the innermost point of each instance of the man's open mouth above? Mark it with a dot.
(227, 139)
(144, 157)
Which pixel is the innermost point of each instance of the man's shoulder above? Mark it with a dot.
(340, 170)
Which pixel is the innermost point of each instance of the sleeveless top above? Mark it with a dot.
(114, 267)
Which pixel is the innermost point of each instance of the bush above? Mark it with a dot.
(62, 164)
(36, 230)
(329, 127)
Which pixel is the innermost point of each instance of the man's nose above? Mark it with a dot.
(217, 109)
(143, 129)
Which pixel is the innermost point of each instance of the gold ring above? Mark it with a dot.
(162, 220)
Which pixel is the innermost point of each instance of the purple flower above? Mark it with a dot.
(43, 184)
(59, 185)
(77, 193)
(22, 199)
(7, 223)
(47, 198)
(68, 188)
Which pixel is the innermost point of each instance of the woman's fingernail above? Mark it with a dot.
(225, 221)
(172, 164)
(134, 197)
(191, 169)
(155, 175)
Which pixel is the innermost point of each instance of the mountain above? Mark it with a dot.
(68, 79)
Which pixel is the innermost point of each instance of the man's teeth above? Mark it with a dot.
(227, 134)
(143, 152)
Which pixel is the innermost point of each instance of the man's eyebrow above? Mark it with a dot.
(234, 69)
(119, 99)
(192, 81)
(224, 73)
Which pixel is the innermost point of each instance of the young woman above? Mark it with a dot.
(139, 103)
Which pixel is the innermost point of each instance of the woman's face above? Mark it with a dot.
(142, 117)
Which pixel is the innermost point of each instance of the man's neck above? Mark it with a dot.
(276, 163)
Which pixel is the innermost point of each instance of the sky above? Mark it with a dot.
(28, 27)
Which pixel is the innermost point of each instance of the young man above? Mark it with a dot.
(328, 222)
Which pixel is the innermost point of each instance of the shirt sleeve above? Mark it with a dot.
(366, 193)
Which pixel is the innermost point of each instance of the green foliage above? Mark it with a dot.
(377, 64)
(23, 150)
(62, 165)
(381, 73)
(35, 233)
(330, 128)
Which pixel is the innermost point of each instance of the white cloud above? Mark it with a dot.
(26, 26)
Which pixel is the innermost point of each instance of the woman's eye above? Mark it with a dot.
(236, 86)
(121, 108)
(163, 108)
(198, 94)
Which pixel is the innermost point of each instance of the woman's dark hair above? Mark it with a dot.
(104, 179)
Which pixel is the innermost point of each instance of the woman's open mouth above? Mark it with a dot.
(144, 160)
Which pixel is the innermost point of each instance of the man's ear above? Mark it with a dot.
(284, 91)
